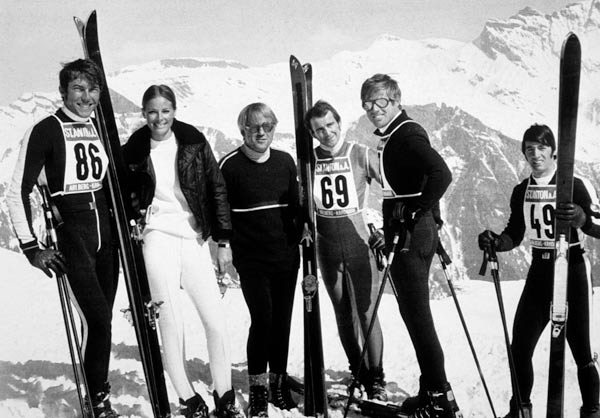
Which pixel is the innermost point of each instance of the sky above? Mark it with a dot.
(37, 35)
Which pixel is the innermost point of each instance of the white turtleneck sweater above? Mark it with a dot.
(169, 211)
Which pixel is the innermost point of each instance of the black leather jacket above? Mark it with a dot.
(199, 176)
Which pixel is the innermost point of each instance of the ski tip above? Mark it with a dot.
(294, 61)
(571, 37)
(571, 45)
(571, 41)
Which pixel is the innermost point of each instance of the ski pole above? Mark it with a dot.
(67, 311)
(491, 258)
(445, 261)
(363, 352)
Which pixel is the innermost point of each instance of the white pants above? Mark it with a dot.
(173, 263)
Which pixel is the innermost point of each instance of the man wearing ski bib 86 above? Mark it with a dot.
(532, 206)
(343, 172)
(414, 178)
(64, 152)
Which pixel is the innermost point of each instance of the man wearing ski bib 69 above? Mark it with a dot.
(64, 152)
(532, 206)
(343, 172)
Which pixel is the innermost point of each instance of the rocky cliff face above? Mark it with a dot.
(474, 99)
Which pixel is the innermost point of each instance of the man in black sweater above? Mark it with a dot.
(262, 189)
(414, 178)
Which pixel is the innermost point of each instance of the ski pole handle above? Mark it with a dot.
(379, 255)
(483, 267)
(407, 237)
(443, 254)
(52, 241)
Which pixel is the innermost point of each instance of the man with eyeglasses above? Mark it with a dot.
(343, 172)
(414, 178)
(262, 189)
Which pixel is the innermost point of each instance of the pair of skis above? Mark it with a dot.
(143, 308)
(315, 396)
(570, 68)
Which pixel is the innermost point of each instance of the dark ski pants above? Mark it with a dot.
(352, 281)
(86, 240)
(410, 274)
(532, 316)
(270, 300)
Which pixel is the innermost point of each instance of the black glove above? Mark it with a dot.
(47, 260)
(488, 239)
(377, 240)
(572, 213)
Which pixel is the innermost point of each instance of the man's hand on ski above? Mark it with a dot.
(570, 212)
(307, 237)
(48, 260)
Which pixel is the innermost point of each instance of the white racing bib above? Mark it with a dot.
(388, 191)
(334, 189)
(538, 212)
(85, 159)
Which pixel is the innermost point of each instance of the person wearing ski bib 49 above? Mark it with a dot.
(64, 152)
(183, 199)
(533, 210)
(414, 179)
(342, 174)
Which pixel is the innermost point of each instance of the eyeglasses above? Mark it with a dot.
(381, 103)
(266, 127)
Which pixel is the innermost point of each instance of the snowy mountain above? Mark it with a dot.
(475, 99)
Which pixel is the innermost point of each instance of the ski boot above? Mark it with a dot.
(225, 407)
(258, 405)
(411, 403)
(279, 389)
(442, 404)
(514, 412)
(195, 407)
(375, 386)
(589, 412)
(101, 406)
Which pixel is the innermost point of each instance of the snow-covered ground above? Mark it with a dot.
(32, 329)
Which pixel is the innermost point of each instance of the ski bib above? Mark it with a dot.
(538, 212)
(388, 191)
(334, 189)
(85, 159)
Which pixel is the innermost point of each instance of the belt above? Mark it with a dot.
(79, 207)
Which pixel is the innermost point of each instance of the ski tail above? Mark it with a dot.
(142, 307)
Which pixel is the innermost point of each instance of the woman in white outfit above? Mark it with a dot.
(182, 201)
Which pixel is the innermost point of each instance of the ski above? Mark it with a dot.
(315, 396)
(144, 311)
(367, 408)
(568, 98)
